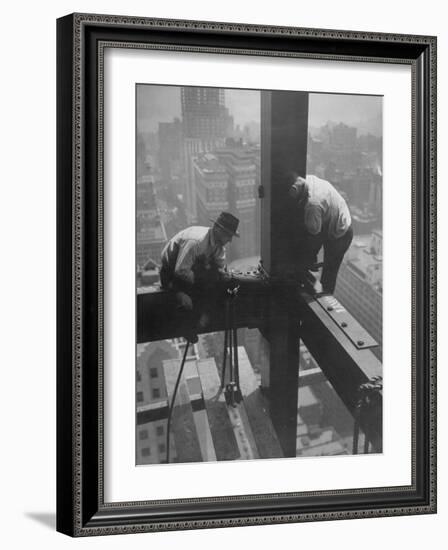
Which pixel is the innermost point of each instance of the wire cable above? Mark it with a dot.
(173, 398)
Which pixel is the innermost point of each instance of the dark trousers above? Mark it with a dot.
(334, 252)
(195, 304)
(185, 295)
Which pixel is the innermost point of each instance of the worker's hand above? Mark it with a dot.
(183, 301)
(206, 271)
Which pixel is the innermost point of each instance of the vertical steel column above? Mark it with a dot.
(284, 373)
(284, 137)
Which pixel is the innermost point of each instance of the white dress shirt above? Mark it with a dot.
(325, 211)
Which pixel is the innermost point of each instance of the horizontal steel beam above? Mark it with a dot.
(158, 318)
(345, 365)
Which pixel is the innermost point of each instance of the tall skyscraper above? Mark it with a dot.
(206, 123)
(204, 114)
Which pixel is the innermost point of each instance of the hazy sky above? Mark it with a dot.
(162, 103)
(354, 110)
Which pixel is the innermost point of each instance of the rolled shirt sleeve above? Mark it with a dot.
(313, 219)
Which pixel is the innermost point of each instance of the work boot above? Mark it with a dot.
(315, 267)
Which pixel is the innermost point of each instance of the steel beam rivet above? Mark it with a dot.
(343, 324)
(330, 308)
(360, 342)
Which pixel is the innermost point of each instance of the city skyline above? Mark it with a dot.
(158, 103)
(202, 156)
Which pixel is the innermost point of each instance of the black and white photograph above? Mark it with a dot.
(227, 218)
(258, 246)
(248, 316)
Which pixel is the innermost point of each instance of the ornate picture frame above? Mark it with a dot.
(81, 506)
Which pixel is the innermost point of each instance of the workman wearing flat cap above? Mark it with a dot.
(192, 262)
(327, 223)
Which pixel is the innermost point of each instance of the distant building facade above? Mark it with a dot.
(151, 395)
(343, 137)
(150, 230)
(240, 163)
(360, 284)
(212, 187)
(170, 158)
(226, 179)
(353, 164)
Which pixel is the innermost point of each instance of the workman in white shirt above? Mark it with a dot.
(192, 260)
(327, 223)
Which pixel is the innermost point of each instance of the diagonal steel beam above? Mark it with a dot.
(345, 366)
